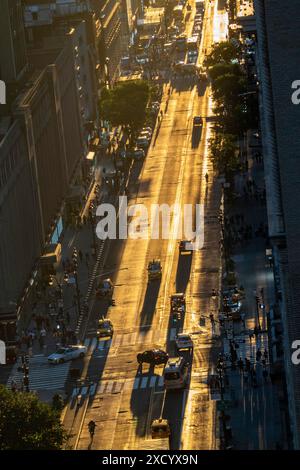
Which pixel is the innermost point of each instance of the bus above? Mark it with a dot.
(199, 6)
(178, 13)
(193, 43)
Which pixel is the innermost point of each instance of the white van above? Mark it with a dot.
(176, 373)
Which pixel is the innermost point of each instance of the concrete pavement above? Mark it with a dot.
(254, 410)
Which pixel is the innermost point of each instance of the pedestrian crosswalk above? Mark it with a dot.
(246, 348)
(42, 375)
(105, 387)
(122, 340)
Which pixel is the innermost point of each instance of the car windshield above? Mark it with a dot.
(171, 375)
(61, 351)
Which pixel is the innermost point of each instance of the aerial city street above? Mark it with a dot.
(150, 230)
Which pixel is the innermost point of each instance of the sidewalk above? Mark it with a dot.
(55, 317)
(253, 404)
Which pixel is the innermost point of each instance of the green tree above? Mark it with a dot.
(223, 68)
(223, 154)
(28, 424)
(126, 104)
(227, 88)
(223, 52)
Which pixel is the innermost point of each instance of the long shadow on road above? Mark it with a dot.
(183, 271)
(149, 304)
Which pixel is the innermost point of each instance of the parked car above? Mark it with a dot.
(138, 153)
(142, 142)
(145, 135)
(105, 328)
(67, 354)
(105, 288)
(148, 129)
(154, 357)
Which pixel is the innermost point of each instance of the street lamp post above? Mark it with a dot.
(257, 310)
(75, 272)
(92, 219)
(224, 417)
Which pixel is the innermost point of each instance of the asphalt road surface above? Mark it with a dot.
(124, 399)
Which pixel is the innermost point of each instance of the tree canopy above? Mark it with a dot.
(28, 424)
(236, 109)
(126, 104)
(223, 153)
(223, 52)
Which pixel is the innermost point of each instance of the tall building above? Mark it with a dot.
(278, 39)
(108, 19)
(41, 161)
(13, 59)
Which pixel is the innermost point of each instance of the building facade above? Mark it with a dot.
(278, 38)
(13, 59)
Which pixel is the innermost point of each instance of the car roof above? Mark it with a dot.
(184, 335)
(174, 362)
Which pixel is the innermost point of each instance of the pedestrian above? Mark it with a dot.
(254, 381)
(41, 342)
(80, 255)
(241, 364)
(250, 336)
(206, 177)
(13, 385)
(258, 355)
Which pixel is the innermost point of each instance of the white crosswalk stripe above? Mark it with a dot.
(117, 341)
(109, 387)
(246, 349)
(161, 382)
(153, 381)
(123, 340)
(116, 386)
(93, 345)
(144, 382)
(42, 375)
(136, 383)
(93, 389)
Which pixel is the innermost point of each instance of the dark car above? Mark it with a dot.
(153, 357)
(197, 121)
